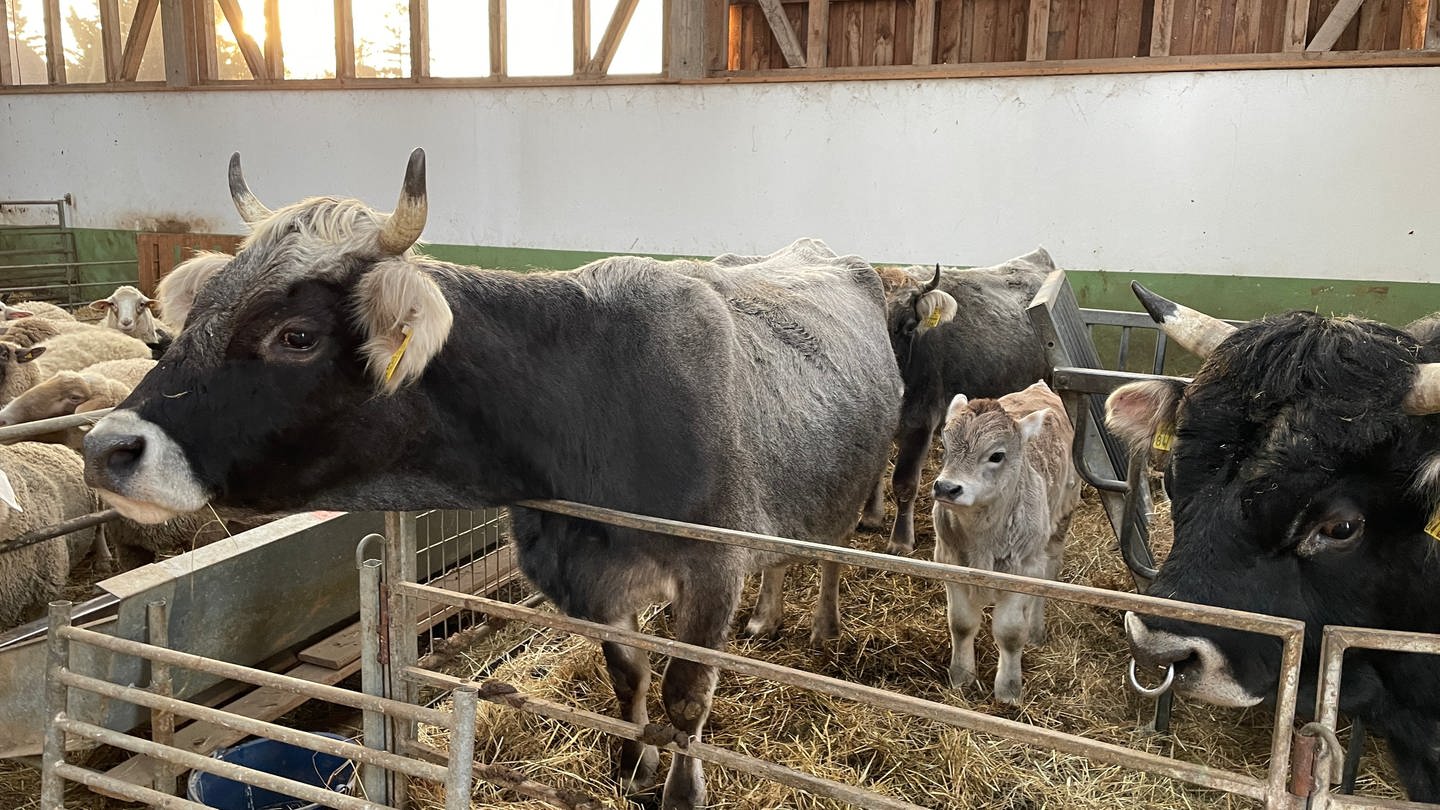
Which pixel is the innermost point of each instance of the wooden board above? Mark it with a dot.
(159, 253)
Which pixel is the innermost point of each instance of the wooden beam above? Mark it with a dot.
(1334, 25)
(784, 33)
(54, 43)
(274, 46)
(580, 36)
(1161, 27)
(201, 35)
(7, 69)
(1037, 39)
(717, 35)
(817, 32)
(110, 43)
(1297, 19)
(249, 48)
(687, 35)
(499, 39)
(1432, 26)
(924, 48)
(344, 39)
(139, 37)
(419, 39)
(173, 26)
(610, 42)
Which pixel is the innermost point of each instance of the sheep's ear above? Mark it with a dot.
(406, 320)
(101, 305)
(29, 354)
(7, 493)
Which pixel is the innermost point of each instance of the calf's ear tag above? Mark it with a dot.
(1164, 437)
(1433, 527)
(7, 493)
(399, 353)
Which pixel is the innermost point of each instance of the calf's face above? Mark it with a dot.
(984, 449)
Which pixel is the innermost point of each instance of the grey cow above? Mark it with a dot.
(954, 332)
(329, 366)
(1003, 502)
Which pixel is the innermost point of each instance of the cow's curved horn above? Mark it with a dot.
(251, 209)
(934, 282)
(404, 226)
(1424, 396)
(1196, 331)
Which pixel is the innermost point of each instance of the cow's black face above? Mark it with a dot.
(287, 387)
(1293, 486)
(254, 378)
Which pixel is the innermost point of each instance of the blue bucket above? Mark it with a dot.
(280, 759)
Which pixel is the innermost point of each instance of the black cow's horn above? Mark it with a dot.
(1424, 396)
(934, 282)
(251, 209)
(404, 226)
(1196, 331)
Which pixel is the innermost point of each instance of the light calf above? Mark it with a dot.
(1003, 502)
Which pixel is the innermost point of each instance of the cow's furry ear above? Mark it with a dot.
(1137, 410)
(957, 405)
(934, 308)
(406, 320)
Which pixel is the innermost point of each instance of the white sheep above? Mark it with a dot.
(131, 312)
(177, 290)
(103, 385)
(41, 309)
(40, 484)
(18, 371)
(74, 351)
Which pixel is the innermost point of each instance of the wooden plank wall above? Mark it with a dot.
(159, 252)
(882, 32)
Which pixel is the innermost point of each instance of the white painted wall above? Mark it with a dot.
(1316, 174)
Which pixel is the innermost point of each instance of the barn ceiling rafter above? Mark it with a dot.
(736, 40)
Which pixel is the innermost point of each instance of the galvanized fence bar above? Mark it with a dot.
(259, 728)
(372, 677)
(462, 747)
(125, 790)
(401, 647)
(257, 677)
(199, 762)
(905, 704)
(57, 655)
(162, 722)
(671, 739)
(39, 427)
(60, 529)
(1335, 642)
(941, 572)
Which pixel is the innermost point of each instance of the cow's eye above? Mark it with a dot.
(1334, 534)
(1341, 529)
(298, 340)
(997, 457)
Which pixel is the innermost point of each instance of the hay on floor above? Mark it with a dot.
(895, 638)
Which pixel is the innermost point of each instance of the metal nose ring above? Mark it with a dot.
(1156, 691)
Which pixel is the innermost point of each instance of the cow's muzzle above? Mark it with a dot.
(140, 470)
(1201, 668)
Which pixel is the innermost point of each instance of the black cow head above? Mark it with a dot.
(286, 379)
(913, 310)
(1302, 472)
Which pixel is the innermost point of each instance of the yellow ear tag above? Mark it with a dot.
(399, 353)
(1433, 527)
(933, 320)
(1164, 437)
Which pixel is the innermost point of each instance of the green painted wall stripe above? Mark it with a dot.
(1223, 296)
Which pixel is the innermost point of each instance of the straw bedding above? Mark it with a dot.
(895, 638)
